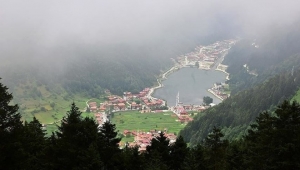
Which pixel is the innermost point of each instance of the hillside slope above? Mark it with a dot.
(235, 113)
(263, 73)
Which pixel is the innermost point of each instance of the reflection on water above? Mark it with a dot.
(192, 85)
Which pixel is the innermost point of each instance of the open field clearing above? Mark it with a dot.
(134, 120)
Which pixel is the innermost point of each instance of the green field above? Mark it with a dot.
(48, 107)
(134, 120)
(52, 116)
(45, 113)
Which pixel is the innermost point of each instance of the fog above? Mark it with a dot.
(41, 31)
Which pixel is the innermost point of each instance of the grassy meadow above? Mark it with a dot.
(48, 107)
(51, 116)
(134, 120)
(51, 109)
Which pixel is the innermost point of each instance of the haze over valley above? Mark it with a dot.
(73, 47)
(149, 84)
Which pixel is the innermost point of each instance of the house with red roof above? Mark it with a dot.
(92, 104)
(93, 109)
(121, 106)
(126, 132)
(135, 106)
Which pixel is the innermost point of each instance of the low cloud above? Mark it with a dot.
(38, 30)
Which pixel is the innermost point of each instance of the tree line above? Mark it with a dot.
(267, 55)
(236, 113)
(272, 142)
(276, 61)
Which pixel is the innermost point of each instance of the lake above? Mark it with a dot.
(192, 85)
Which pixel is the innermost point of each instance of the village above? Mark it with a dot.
(204, 57)
(144, 105)
(219, 90)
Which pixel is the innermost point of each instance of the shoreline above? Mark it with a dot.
(159, 81)
(227, 77)
(172, 70)
(177, 66)
(213, 93)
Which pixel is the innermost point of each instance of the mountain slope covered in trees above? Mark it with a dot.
(263, 73)
(236, 113)
(272, 142)
(266, 55)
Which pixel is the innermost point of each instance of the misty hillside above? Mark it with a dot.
(65, 65)
(50, 61)
(82, 72)
(265, 55)
(260, 80)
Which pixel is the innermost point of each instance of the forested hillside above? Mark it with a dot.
(79, 143)
(263, 73)
(268, 54)
(236, 113)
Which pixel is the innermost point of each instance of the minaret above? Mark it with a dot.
(177, 104)
(177, 99)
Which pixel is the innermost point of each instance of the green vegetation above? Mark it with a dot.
(134, 120)
(276, 63)
(39, 101)
(237, 112)
(296, 96)
(272, 142)
(207, 100)
(42, 110)
(49, 108)
(275, 55)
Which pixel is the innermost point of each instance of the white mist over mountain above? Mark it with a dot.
(40, 30)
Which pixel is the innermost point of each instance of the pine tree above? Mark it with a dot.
(10, 132)
(76, 145)
(273, 142)
(159, 149)
(132, 159)
(236, 154)
(178, 152)
(109, 149)
(34, 144)
(216, 149)
(195, 159)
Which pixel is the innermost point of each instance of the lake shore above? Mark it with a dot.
(208, 58)
(159, 82)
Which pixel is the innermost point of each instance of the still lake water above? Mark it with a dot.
(192, 85)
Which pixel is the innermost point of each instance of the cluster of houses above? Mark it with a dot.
(114, 103)
(218, 90)
(128, 101)
(143, 139)
(99, 113)
(206, 56)
(146, 103)
(181, 111)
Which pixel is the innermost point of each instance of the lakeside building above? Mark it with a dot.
(181, 112)
(206, 55)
